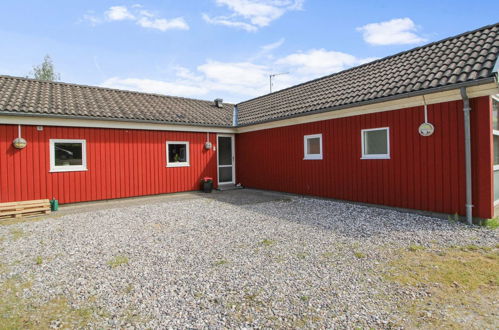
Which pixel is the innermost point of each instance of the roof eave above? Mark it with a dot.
(42, 115)
(379, 100)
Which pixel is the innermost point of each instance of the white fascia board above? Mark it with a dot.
(94, 123)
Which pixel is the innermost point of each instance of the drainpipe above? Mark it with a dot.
(234, 116)
(467, 155)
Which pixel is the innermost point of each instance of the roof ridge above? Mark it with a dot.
(107, 88)
(375, 61)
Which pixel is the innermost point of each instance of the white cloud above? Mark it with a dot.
(318, 62)
(118, 13)
(227, 22)
(251, 15)
(272, 46)
(239, 73)
(142, 17)
(163, 24)
(398, 31)
(154, 86)
(92, 19)
(236, 81)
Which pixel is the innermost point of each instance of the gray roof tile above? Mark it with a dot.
(29, 96)
(460, 59)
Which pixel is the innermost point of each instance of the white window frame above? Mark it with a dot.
(187, 155)
(375, 156)
(306, 155)
(68, 168)
(495, 167)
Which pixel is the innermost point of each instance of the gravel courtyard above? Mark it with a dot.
(238, 259)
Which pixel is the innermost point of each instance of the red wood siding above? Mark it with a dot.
(425, 173)
(121, 163)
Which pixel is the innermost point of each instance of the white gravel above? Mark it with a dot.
(205, 263)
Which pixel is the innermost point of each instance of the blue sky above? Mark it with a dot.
(219, 48)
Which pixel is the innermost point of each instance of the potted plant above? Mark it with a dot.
(207, 184)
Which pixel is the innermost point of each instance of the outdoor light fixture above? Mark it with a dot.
(426, 128)
(19, 142)
(207, 144)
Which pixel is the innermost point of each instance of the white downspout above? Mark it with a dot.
(467, 155)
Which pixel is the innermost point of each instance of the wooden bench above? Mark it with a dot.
(24, 209)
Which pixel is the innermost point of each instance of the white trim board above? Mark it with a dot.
(95, 123)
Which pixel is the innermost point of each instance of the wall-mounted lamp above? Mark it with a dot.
(426, 128)
(207, 144)
(19, 142)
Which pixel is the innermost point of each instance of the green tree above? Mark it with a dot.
(45, 71)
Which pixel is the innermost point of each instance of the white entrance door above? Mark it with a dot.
(226, 159)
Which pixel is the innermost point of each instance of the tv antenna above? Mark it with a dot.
(273, 75)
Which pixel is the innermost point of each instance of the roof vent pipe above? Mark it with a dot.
(219, 103)
(234, 116)
(467, 155)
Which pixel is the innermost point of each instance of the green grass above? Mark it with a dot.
(302, 255)
(118, 261)
(220, 262)
(359, 255)
(13, 221)
(267, 242)
(491, 223)
(17, 233)
(463, 282)
(414, 248)
(327, 255)
(304, 298)
(17, 312)
(38, 260)
(128, 289)
(454, 217)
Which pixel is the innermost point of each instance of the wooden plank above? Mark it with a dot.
(14, 207)
(24, 202)
(24, 211)
(21, 215)
(24, 208)
(21, 207)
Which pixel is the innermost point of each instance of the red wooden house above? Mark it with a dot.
(416, 130)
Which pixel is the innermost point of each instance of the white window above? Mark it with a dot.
(495, 137)
(68, 155)
(376, 143)
(177, 154)
(312, 145)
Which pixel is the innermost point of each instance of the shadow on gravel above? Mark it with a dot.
(246, 196)
(346, 219)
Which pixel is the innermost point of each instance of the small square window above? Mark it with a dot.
(313, 146)
(177, 154)
(68, 155)
(376, 143)
(495, 113)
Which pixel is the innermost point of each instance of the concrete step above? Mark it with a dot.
(230, 186)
